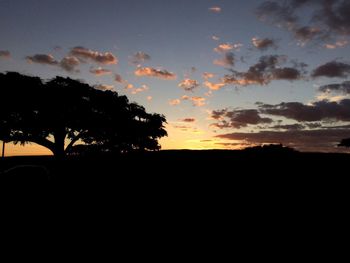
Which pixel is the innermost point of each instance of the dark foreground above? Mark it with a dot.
(224, 182)
(177, 168)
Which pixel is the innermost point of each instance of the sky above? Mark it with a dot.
(226, 74)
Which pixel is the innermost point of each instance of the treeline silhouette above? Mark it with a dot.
(62, 113)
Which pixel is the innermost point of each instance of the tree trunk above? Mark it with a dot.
(3, 149)
(59, 151)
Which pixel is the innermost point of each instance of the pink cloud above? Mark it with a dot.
(106, 58)
(118, 78)
(42, 59)
(69, 64)
(100, 71)
(215, 9)
(189, 84)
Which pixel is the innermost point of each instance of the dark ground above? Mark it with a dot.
(217, 185)
(179, 168)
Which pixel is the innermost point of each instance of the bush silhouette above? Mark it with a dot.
(62, 112)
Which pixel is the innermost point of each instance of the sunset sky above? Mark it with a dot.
(226, 73)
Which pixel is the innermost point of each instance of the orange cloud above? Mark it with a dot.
(214, 86)
(138, 90)
(196, 101)
(225, 47)
(208, 75)
(105, 87)
(174, 102)
(152, 72)
(100, 71)
(129, 86)
(149, 98)
(106, 58)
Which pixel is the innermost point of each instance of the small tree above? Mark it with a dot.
(345, 143)
(59, 113)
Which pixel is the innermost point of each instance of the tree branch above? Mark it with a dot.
(73, 141)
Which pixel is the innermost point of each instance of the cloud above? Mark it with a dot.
(341, 88)
(215, 38)
(276, 13)
(5, 54)
(215, 9)
(42, 59)
(118, 78)
(100, 71)
(289, 127)
(152, 72)
(306, 33)
(83, 53)
(238, 118)
(337, 44)
(189, 84)
(139, 90)
(213, 86)
(332, 69)
(140, 57)
(304, 140)
(222, 48)
(196, 101)
(308, 20)
(227, 61)
(285, 74)
(129, 86)
(174, 102)
(264, 43)
(225, 47)
(188, 120)
(208, 75)
(149, 98)
(267, 69)
(105, 87)
(318, 111)
(70, 63)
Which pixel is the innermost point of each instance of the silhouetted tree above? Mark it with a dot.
(345, 143)
(58, 113)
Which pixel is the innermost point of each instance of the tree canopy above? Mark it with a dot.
(61, 112)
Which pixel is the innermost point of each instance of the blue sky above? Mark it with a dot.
(180, 37)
